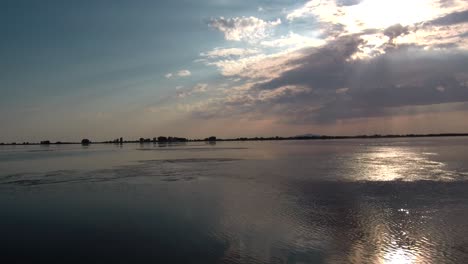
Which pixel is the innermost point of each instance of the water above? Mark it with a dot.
(343, 201)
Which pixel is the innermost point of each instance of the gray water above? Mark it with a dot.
(344, 201)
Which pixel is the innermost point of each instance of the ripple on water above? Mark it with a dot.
(167, 170)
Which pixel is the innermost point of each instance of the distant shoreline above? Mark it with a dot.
(182, 140)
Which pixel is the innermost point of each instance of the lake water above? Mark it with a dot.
(344, 201)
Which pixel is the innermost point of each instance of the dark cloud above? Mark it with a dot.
(347, 2)
(325, 66)
(446, 3)
(331, 30)
(450, 19)
(396, 31)
(405, 76)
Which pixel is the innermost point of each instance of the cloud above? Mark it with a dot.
(324, 84)
(323, 65)
(446, 32)
(181, 73)
(184, 73)
(395, 31)
(196, 89)
(404, 77)
(229, 52)
(347, 2)
(254, 104)
(282, 92)
(336, 19)
(306, 10)
(259, 66)
(293, 41)
(357, 16)
(250, 29)
(451, 19)
(371, 59)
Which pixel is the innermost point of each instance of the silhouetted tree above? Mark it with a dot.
(85, 142)
(45, 142)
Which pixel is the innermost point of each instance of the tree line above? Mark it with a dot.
(171, 139)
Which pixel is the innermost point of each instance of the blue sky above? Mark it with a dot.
(105, 69)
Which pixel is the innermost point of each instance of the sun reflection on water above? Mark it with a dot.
(399, 256)
(397, 163)
(395, 237)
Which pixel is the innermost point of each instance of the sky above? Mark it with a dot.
(106, 69)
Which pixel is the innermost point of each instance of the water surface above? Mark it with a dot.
(344, 201)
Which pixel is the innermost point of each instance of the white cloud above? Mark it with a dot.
(375, 14)
(294, 41)
(184, 73)
(250, 29)
(229, 52)
(181, 73)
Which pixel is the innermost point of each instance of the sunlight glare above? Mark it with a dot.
(399, 256)
(383, 13)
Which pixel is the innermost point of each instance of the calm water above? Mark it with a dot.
(346, 201)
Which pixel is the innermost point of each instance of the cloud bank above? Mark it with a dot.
(361, 60)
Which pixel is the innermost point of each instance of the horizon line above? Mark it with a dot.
(163, 139)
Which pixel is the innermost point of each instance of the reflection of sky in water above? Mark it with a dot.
(357, 201)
